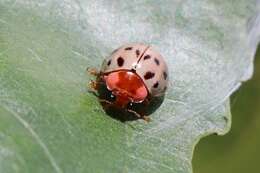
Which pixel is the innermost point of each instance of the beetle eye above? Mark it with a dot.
(130, 105)
(112, 97)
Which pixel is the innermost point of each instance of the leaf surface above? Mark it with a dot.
(50, 123)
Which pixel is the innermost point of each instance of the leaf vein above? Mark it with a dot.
(37, 139)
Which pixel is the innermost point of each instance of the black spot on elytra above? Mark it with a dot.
(109, 62)
(156, 85)
(137, 52)
(128, 48)
(156, 61)
(164, 89)
(165, 75)
(147, 57)
(120, 61)
(148, 75)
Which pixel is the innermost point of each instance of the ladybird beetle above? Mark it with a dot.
(133, 75)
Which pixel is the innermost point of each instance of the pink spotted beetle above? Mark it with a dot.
(134, 74)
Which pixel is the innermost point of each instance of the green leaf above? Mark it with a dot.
(50, 123)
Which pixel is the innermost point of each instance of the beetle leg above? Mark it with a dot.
(105, 103)
(93, 85)
(135, 113)
(93, 71)
(145, 118)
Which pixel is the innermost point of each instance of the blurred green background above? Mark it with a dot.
(238, 151)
